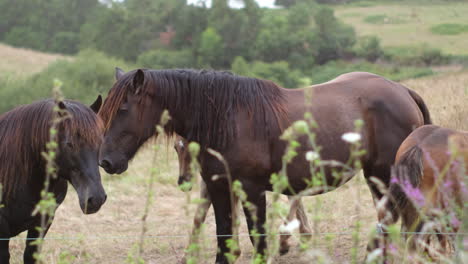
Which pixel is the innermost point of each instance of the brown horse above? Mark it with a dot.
(24, 133)
(297, 210)
(242, 118)
(428, 182)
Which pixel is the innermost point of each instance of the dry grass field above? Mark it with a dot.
(21, 62)
(108, 236)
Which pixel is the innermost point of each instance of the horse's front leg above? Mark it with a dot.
(31, 247)
(221, 201)
(256, 196)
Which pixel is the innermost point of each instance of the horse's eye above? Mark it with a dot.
(69, 145)
(123, 107)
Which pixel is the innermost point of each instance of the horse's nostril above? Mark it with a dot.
(90, 202)
(105, 164)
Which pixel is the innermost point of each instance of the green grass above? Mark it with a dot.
(383, 19)
(409, 23)
(449, 29)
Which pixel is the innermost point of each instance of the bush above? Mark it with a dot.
(89, 74)
(416, 55)
(376, 19)
(65, 42)
(25, 37)
(166, 59)
(449, 29)
(369, 48)
(278, 72)
(333, 38)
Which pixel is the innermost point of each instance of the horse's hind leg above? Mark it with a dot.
(4, 251)
(387, 214)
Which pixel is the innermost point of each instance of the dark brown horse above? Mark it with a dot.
(428, 185)
(24, 133)
(243, 118)
(297, 210)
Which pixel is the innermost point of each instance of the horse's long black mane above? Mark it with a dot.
(211, 100)
(24, 133)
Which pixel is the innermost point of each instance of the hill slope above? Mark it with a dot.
(22, 62)
(401, 24)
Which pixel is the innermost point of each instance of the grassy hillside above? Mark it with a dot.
(23, 62)
(400, 24)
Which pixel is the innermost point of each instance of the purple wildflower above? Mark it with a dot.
(394, 180)
(413, 193)
(392, 249)
(454, 222)
(448, 184)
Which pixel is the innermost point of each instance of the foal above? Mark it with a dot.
(185, 175)
(428, 185)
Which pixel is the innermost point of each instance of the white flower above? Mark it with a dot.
(351, 137)
(289, 227)
(374, 255)
(311, 155)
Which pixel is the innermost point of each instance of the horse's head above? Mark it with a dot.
(128, 122)
(181, 147)
(79, 139)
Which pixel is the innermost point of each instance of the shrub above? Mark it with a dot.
(416, 55)
(376, 19)
(278, 72)
(65, 42)
(449, 29)
(369, 48)
(333, 38)
(164, 59)
(26, 37)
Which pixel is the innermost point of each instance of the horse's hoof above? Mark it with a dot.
(182, 261)
(284, 249)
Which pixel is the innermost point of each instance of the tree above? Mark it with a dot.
(332, 37)
(210, 48)
(369, 48)
(240, 66)
(42, 24)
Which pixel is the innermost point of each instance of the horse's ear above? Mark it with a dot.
(97, 104)
(62, 105)
(62, 108)
(118, 73)
(138, 80)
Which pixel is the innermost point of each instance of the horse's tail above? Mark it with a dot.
(422, 106)
(406, 177)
